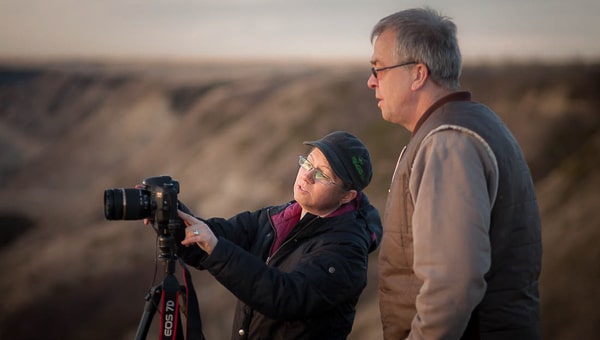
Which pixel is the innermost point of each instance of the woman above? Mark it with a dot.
(299, 268)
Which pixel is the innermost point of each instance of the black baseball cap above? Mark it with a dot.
(348, 156)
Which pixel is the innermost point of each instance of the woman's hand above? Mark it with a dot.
(198, 232)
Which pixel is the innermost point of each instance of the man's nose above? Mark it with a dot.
(372, 82)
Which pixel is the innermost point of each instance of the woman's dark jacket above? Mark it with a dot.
(307, 288)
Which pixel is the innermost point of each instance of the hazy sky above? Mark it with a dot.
(306, 29)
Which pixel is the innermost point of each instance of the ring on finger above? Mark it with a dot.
(196, 232)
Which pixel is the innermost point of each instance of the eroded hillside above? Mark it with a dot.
(230, 134)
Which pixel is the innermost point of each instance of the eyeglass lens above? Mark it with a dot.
(318, 174)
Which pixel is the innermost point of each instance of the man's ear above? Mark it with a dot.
(420, 73)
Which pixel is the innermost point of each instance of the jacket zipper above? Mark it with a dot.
(289, 239)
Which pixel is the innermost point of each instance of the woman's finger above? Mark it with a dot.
(187, 219)
(183, 215)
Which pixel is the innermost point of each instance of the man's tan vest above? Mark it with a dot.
(510, 307)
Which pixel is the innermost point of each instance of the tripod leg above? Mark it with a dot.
(152, 301)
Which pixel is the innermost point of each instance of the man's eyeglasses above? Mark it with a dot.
(318, 175)
(377, 70)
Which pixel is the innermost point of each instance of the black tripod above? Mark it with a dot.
(167, 294)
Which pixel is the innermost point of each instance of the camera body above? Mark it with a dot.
(155, 199)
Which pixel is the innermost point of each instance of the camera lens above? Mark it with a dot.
(127, 204)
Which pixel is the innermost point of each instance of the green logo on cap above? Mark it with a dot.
(357, 161)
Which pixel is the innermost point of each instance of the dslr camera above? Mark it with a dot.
(155, 199)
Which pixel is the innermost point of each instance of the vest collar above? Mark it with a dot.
(452, 97)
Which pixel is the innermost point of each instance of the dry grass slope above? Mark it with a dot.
(230, 134)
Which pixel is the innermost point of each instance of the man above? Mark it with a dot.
(461, 251)
(298, 268)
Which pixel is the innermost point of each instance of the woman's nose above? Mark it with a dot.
(309, 175)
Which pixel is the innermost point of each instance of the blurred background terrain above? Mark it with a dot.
(231, 134)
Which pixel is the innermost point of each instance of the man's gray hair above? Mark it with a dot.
(425, 36)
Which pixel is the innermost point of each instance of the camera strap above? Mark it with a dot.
(171, 323)
(194, 321)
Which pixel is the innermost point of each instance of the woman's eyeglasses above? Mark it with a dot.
(318, 175)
